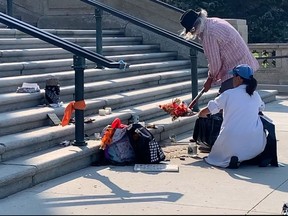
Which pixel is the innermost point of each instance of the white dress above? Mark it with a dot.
(241, 132)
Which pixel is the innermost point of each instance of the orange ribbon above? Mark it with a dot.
(74, 105)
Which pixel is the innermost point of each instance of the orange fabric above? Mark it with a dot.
(108, 134)
(74, 105)
(107, 137)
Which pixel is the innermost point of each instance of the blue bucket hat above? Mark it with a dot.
(243, 70)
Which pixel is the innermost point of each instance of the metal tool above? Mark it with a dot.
(194, 101)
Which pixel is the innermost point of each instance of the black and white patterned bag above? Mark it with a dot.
(146, 148)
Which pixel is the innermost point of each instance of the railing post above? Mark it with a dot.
(98, 17)
(9, 8)
(194, 77)
(79, 66)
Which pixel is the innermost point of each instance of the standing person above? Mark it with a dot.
(241, 135)
(223, 46)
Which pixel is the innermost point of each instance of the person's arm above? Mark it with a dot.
(213, 106)
(212, 52)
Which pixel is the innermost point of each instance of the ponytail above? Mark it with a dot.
(251, 85)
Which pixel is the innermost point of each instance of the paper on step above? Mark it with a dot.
(31, 85)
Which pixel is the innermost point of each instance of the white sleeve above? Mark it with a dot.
(218, 103)
(213, 107)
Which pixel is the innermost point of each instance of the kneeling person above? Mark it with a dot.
(241, 135)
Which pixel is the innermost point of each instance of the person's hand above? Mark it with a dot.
(203, 113)
(207, 84)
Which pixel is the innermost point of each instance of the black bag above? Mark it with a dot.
(147, 149)
(206, 130)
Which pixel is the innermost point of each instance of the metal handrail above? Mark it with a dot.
(146, 25)
(9, 8)
(57, 41)
(194, 46)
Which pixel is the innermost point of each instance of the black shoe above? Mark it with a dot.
(192, 140)
(234, 163)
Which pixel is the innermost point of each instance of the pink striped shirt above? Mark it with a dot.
(224, 48)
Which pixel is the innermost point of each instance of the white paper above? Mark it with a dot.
(31, 85)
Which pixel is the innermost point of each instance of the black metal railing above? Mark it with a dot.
(80, 54)
(194, 46)
(9, 8)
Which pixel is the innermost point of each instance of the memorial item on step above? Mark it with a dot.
(28, 88)
(102, 112)
(192, 149)
(54, 118)
(108, 110)
(176, 108)
(179, 108)
(52, 91)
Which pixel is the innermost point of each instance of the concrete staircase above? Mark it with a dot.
(30, 149)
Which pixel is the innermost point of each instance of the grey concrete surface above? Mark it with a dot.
(196, 189)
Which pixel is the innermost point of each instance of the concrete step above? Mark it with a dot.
(101, 88)
(24, 142)
(36, 116)
(14, 33)
(58, 65)
(10, 84)
(21, 55)
(28, 43)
